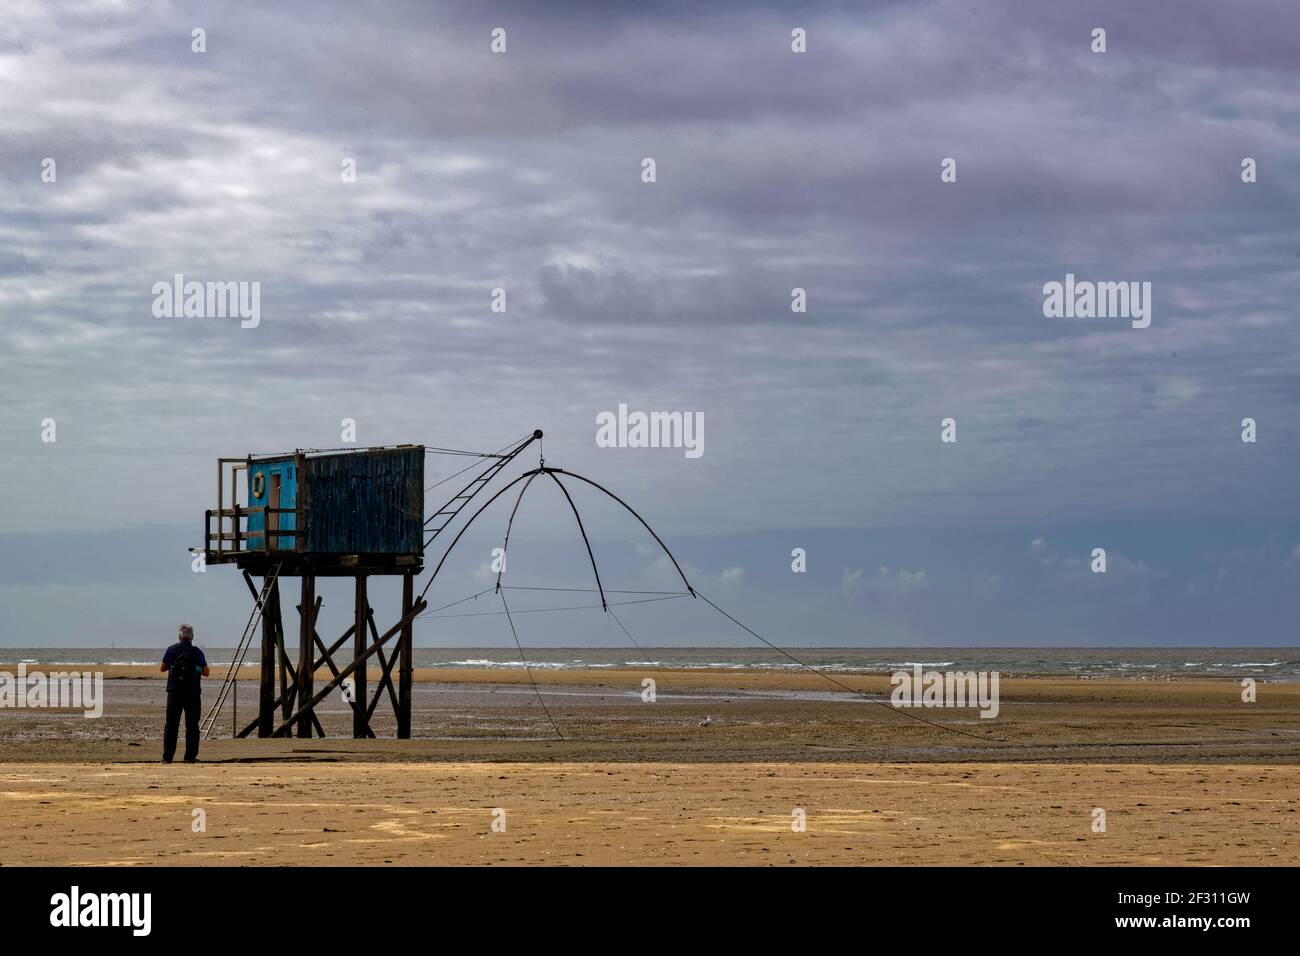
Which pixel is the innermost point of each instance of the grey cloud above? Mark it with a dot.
(775, 172)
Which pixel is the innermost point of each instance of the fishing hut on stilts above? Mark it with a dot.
(350, 513)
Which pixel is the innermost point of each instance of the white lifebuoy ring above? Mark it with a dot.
(259, 484)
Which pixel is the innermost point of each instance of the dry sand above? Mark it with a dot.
(656, 814)
(1186, 773)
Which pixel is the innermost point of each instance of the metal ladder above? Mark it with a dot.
(456, 504)
(237, 659)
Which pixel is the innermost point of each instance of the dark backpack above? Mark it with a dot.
(185, 670)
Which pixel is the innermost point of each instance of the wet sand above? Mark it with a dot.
(710, 772)
(470, 715)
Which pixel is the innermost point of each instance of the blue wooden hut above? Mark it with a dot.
(332, 508)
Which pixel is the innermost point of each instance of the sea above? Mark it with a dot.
(1139, 663)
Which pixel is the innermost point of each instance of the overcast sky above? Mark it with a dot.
(522, 170)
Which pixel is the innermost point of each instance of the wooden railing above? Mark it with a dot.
(239, 534)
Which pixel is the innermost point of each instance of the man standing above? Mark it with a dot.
(185, 666)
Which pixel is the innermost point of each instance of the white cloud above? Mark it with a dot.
(901, 580)
(851, 581)
(885, 581)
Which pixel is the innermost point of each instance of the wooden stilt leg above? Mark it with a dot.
(266, 696)
(306, 651)
(404, 664)
(359, 636)
(277, 615)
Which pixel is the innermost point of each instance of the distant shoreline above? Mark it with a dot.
(703, 678)
(1264, 664)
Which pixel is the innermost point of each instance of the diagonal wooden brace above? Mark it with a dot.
(361, 659)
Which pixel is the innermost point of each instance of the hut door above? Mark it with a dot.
(273, 517)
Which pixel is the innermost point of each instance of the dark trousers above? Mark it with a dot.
(189, 703)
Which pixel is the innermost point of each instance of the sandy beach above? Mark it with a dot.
(713, 771)
(300, 812)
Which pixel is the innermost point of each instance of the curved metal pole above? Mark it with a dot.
(604, 606)
(470, 522)
(574, 474)
(505, 545)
